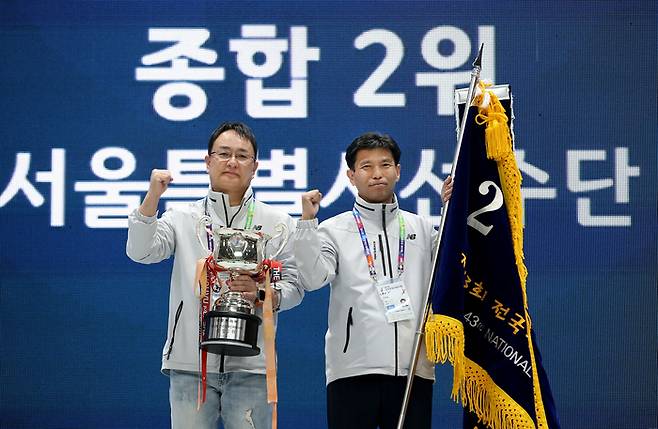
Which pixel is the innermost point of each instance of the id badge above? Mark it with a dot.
(397, 305)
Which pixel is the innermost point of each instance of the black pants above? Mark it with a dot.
(374, 400)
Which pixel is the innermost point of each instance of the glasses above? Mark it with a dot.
(223, 156)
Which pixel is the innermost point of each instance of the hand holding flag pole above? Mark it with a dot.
(475, 76)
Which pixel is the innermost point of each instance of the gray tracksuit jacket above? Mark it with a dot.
(152, 240)
(359, 340)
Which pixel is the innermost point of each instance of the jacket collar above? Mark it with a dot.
(377, 211)
(217, 205)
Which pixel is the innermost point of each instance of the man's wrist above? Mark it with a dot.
(276, 297)
(149, 206)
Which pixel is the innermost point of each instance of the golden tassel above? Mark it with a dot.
(444, 341)
(499, 148)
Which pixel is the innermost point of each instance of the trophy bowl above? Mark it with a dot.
(237, 249)
(231, 326)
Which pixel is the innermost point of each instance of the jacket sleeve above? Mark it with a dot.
(150, 240)
(317, 258)
(434, 234)
(291, 291)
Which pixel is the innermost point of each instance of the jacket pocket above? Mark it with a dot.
(348, 328)
(173, 331)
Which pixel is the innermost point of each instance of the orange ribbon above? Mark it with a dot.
(205, 276)
(269, 343)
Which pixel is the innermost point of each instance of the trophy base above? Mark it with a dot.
(231, 334)
(230, 348)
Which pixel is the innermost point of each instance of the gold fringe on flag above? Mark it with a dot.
(499, 148)
(444, 339)
(491, 404)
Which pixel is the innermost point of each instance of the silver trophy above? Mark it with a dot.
(231, 326)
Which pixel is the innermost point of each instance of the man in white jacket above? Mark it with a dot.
(236, 387)
(377, 259)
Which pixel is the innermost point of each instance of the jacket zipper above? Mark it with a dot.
(396, 348)
(350, 322)
(390, 274)
(381, 252)
(173, 331)
(388, 249)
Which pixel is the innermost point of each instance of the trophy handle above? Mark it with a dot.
(202, 224)
(281, 230)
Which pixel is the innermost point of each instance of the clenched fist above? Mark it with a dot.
(159, 182)
(311, 204)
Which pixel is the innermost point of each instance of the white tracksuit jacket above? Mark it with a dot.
(359, 340)
(152, 240)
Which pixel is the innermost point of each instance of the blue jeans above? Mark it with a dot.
(238, 398)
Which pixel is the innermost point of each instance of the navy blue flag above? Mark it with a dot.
(480, 320)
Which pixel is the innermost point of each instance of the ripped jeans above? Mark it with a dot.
(239, 399)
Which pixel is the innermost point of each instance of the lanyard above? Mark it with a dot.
(250, 213)
(366, 247)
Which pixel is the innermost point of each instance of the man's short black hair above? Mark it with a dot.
(372, 140)
(240, 129)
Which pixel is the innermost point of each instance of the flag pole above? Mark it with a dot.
(475, 76)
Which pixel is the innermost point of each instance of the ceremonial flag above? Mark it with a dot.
(480, 320)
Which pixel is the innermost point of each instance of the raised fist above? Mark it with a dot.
(311, 204)
(159, 182)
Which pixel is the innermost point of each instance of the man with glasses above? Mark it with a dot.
(236, 386)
